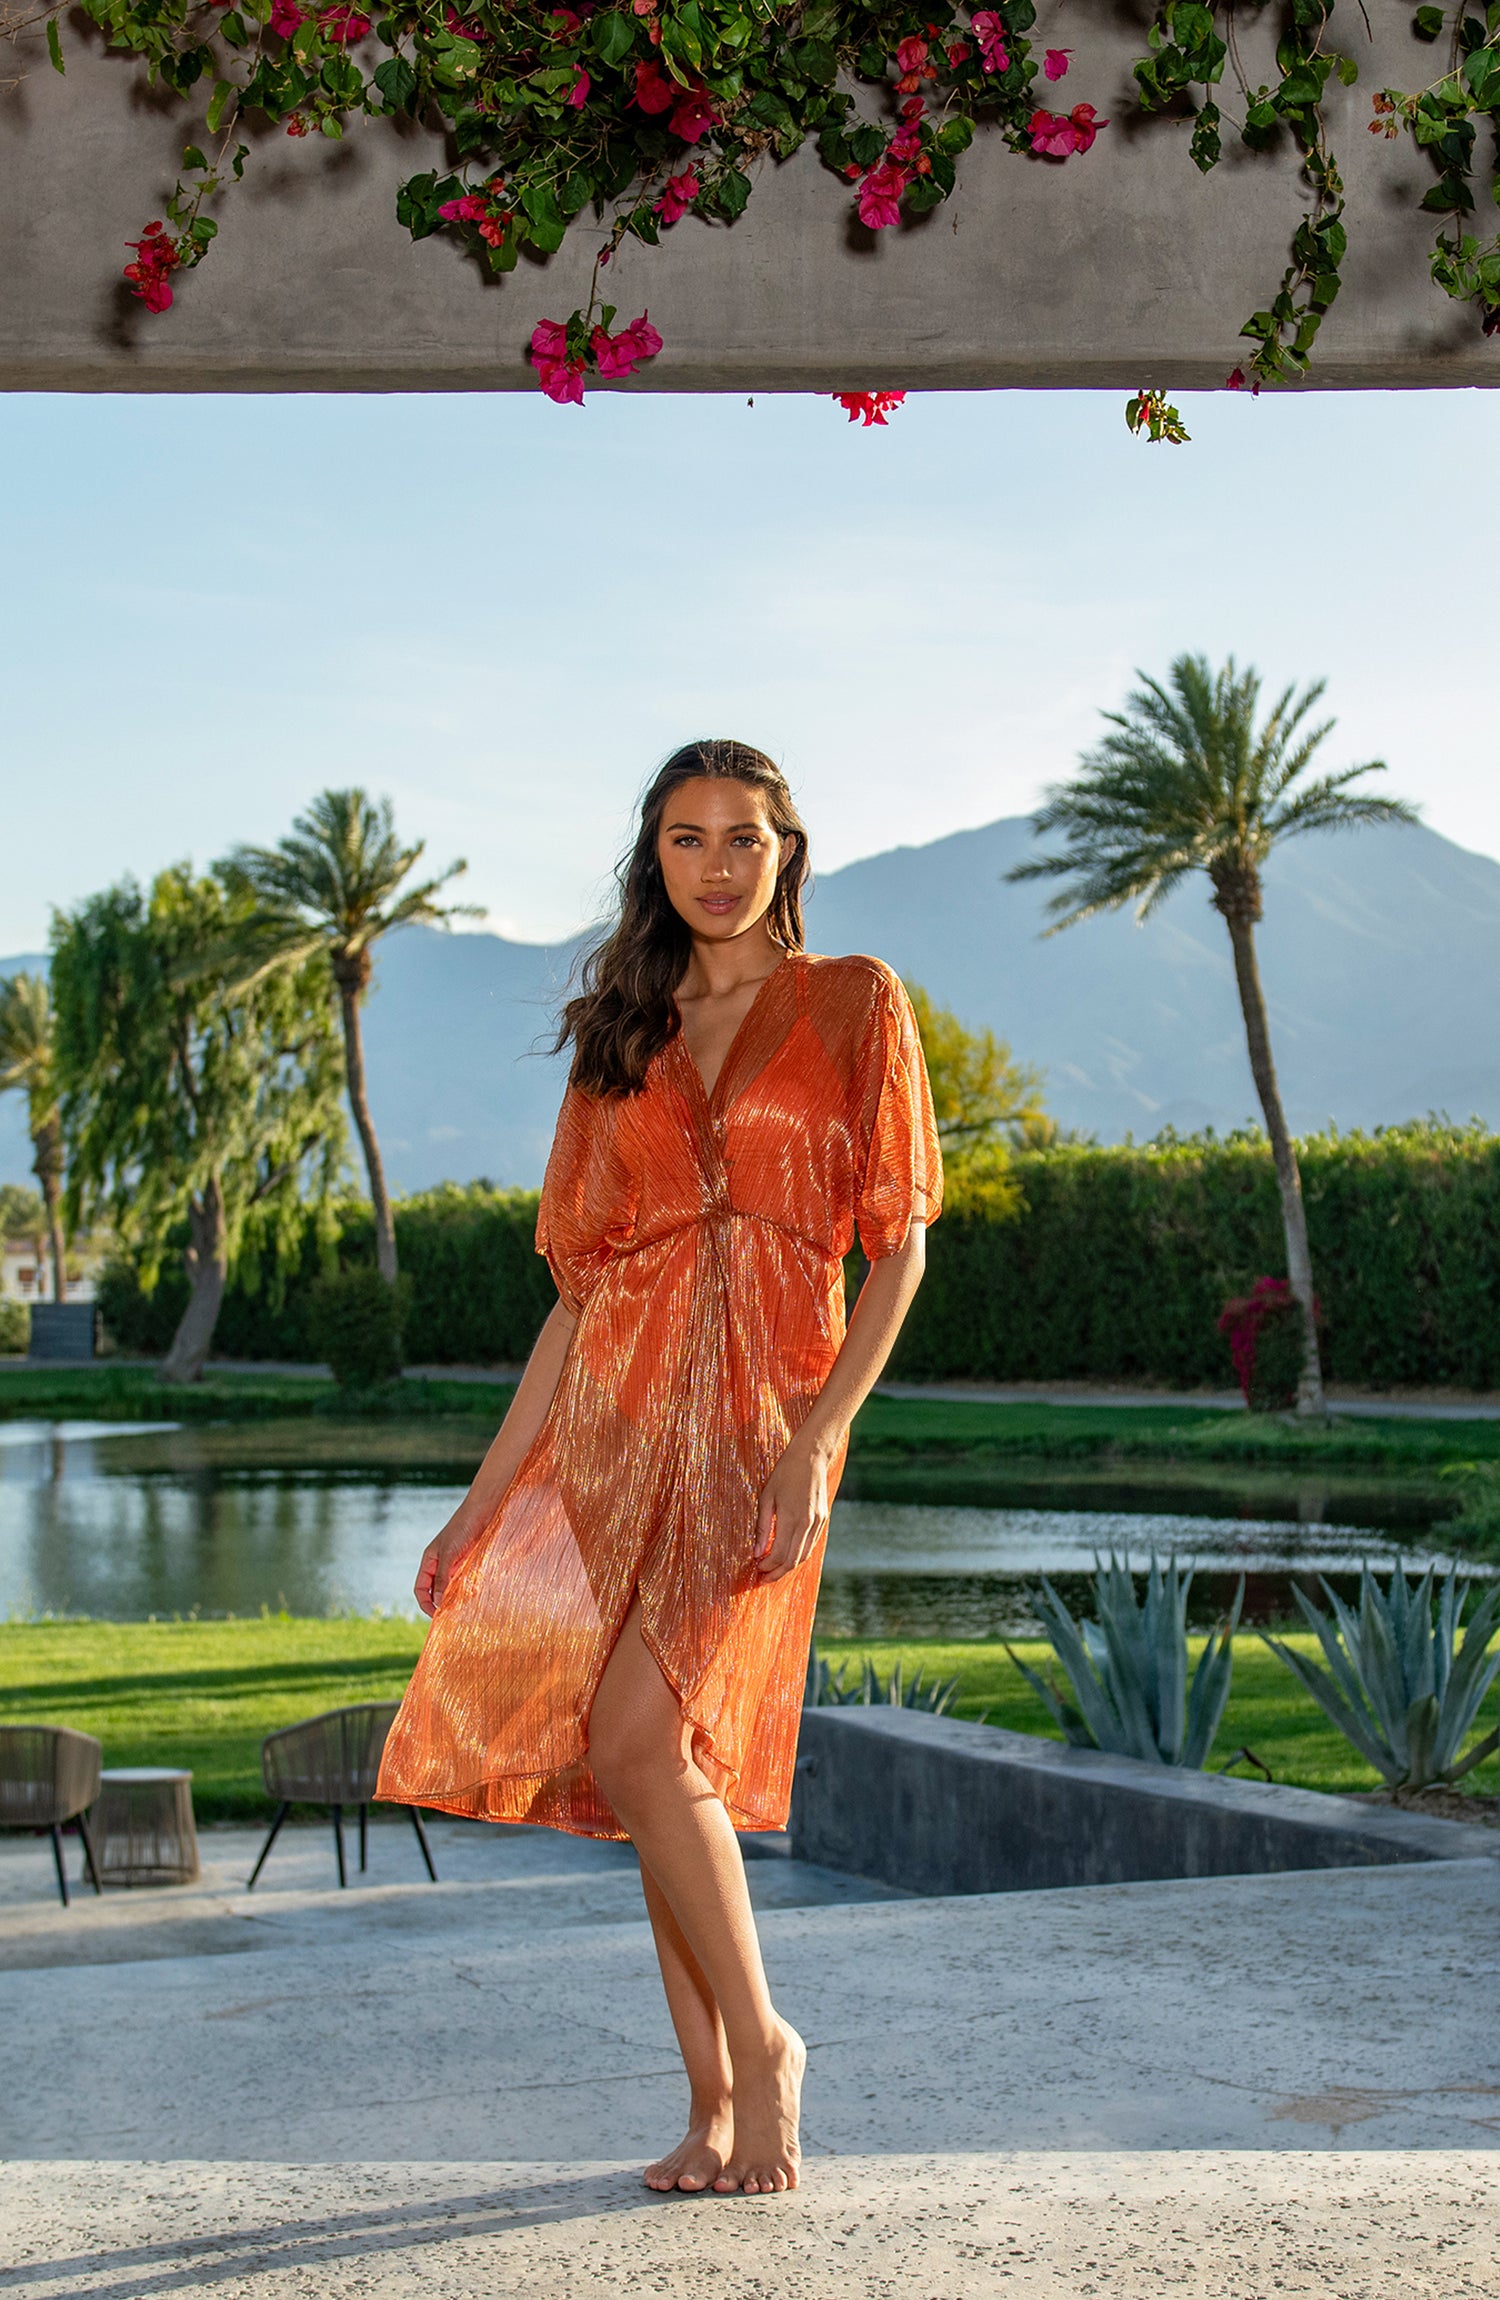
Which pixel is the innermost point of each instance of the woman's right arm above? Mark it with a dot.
(526, 1414)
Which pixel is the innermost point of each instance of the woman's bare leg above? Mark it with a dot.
(640, 1754)
(703, 2154)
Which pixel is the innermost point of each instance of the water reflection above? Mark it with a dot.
(123, 1521)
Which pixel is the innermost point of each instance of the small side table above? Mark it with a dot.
(143, 1826)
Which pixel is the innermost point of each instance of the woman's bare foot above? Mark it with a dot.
(700, 2157)
(767, 2155)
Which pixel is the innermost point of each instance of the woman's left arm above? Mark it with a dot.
(794, 1504)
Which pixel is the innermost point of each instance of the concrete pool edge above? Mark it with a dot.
(939, 1805)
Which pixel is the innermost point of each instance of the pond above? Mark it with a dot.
(123, 1521)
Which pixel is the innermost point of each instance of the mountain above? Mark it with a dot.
(1380, 953)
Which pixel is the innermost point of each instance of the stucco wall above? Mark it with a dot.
(1119, 267)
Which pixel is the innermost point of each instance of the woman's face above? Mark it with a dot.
(719, 856)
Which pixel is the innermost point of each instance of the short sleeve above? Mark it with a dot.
(903, 1171)
(583, 1193)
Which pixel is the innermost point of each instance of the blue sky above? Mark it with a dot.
(503, 613)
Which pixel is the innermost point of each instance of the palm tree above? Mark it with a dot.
(335, 885)
(26, 1065)
(1187, 782)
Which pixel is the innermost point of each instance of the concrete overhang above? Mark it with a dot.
(1118, 268)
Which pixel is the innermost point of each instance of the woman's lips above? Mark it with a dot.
(718, 903)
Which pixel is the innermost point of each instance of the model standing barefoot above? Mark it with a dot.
(623, 1601)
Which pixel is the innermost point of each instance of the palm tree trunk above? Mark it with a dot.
(1239, 916)
(351, 983)
(207, 1261)
(47, 1165)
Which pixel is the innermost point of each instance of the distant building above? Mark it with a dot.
(26, 1270)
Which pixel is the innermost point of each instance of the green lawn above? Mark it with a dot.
(203, 1694)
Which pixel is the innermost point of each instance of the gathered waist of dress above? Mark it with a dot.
(714, 1216)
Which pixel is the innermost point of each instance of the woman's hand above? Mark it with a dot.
(438, 1560)
(793, 1512)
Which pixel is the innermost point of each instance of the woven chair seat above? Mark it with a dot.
(332, 1760)
(49, 1775)
(328, 1760)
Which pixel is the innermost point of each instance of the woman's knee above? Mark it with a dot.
(633, 1751)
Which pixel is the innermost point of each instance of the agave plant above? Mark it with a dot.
(1395, 1686)
(1129, 1669)
(826, 1689)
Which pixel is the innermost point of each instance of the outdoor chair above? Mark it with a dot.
(49, 1775)
(331, 1760)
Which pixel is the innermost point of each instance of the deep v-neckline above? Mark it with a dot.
(709, 1093)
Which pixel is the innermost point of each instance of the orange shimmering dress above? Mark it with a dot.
(699, 1238)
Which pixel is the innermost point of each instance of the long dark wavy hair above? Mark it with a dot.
(624, 1013)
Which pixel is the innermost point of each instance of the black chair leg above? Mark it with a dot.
(90, 1863)
(364, 1814)
(282, 1811)
(57, 1855)
(416, 1822)
(338, 1843)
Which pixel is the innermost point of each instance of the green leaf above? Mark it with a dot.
(232, 29)
(1348, 70)
(224, 95)
(548, 230)
(1205, 149)
(733, 190)
(397, 82)
(193, 158)
(1428, 23)
(54, 46)
(955, 135)
(614, 36)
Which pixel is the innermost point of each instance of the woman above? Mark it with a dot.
(623, 1601)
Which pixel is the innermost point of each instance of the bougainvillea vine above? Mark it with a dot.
(640, 113)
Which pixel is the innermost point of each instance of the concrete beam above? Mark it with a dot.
(1117, 268)
(939, 1805)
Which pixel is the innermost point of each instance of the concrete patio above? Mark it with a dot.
(1222, 2087)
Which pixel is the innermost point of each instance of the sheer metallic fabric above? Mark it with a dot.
(700, 1240)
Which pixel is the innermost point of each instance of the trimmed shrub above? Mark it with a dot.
(15, 1328)
(355, 1322)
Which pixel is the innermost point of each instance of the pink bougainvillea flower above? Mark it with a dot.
(880, 196)
(677, 196)
(692, 116)
(472, 208)
(912, 109)
(562, 380)
(911, 55)
(616, 355)
(578, 94)
(654, 92)
(156, 255)
(564, 21)
(285, 18)
(1055, 63)
(869, 407)
(344, 24)
(1235, 379)
(958, 53)
(299, 125)
(644, 7)
(1086, 126)
(1055, 135)
(906, 144)
(549, 339)
(990, 33)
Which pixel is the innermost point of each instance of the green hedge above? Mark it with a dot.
(1119, 1264)
(1115, 1269)
(479, 1289)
